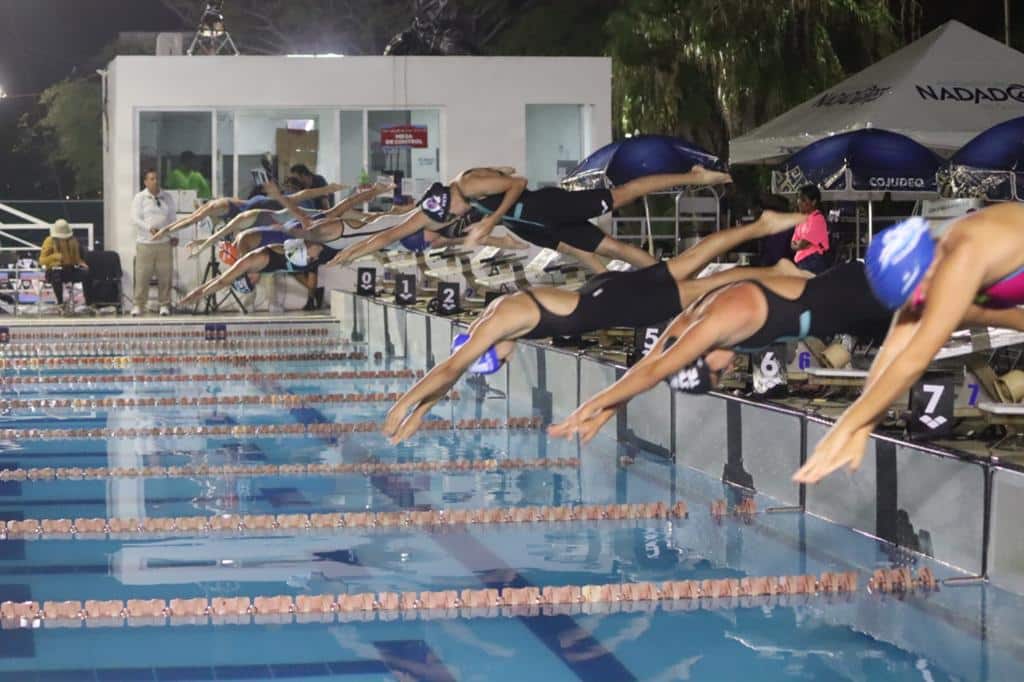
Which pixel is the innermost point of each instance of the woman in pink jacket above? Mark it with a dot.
(810, 238)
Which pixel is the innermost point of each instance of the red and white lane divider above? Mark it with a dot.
(98, 528)
(81, 349)
(467, 603)
(238, 430)
(136, 360)
(80, 380)
(20, 334)
(277, 399)
(203, 470)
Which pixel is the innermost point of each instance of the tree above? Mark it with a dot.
(68, 132)
(709, 70)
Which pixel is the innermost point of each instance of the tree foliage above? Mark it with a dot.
(71, 132)
(712, 69)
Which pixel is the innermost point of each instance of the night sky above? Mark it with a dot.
(43, 41)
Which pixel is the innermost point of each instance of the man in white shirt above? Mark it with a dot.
(152, 209)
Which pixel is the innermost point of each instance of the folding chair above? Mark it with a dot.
(103, 288)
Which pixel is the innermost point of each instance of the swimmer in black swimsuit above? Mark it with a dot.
(293, 256)
(550, 218)
(637, 298)
(228, 208)
(739, 317)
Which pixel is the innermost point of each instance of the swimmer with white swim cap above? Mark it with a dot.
(973, 274)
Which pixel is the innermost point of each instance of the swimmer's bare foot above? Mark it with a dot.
(509, 242)
(773, 222)
(788, 268)
(699, 175)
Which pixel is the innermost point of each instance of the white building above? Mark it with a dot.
(540, 115)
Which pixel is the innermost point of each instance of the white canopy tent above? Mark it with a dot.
(941, 90)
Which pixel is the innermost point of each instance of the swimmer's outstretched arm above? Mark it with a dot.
(214, 207)
(290, 204)
(316, 192)
(915, 341)
(505, 319)
(242, 221)
(254, 261)
(473, 185)
(690, 262)
(693, 339)
(357, 199)
(415, 221)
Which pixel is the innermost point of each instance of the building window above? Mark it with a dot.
(178, 145)
(554, 142)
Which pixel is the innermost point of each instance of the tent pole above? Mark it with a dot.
(650, 228)
(1006, 20)
(858, 233)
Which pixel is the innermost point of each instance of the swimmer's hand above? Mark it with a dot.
(195, 247)
(585, 422)
(339, 260)
(271, 188)
(478, 232)
(382, 187)
(398, 426)
(192, 296)
(840, 447)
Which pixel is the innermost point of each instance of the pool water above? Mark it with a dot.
(960, 633)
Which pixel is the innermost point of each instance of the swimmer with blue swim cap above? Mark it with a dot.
(973, 275)
(898, 259)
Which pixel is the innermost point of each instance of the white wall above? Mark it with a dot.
(482, 103)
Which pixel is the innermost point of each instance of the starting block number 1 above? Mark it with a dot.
(405, 289)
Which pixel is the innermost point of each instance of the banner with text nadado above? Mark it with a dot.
(941, 91)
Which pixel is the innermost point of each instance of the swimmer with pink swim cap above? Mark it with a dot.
(972, 275)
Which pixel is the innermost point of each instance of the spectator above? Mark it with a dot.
(152, 209)
(810, 238)
(186, 176)
(309, 180)
(61, 259)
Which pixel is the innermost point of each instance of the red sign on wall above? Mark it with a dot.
(404, 136)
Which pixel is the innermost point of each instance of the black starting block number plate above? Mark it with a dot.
(448, 301)
(366, 283)
(405, 289)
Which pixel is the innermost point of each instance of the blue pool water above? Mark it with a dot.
(960, 633)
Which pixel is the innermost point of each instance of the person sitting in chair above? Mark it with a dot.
(62, 260)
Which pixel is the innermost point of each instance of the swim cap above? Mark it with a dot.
(417, 241)
(242, 285)
(227, 253)
(898, 259)
(488, 363)
(296, 252)
(435, 202)
(695, 378)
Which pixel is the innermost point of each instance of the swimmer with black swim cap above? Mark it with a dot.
(973, 274)
(631, 299)
(550, 217)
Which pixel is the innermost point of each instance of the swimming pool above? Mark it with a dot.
(236, 460)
